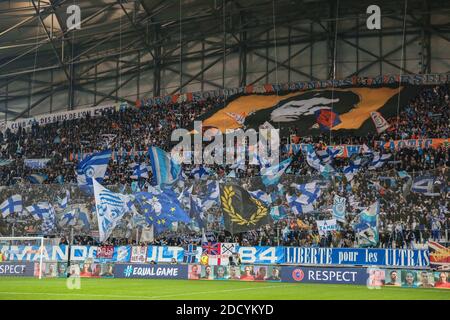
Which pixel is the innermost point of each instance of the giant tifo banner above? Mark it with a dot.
(407, 79)
(358, 256)
(414, 143)
(60, 116)
(310, 112)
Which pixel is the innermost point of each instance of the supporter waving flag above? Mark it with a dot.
(140, 171)
(11, 205)
(352, 169)
(110, 208)
(165, 169)
(93, 167)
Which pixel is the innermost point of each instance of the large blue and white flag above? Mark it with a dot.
(262, 196)
(140, 171)
(43, 211)
(93, 167)
(339, 206)
(39, 211)
(312, 159)
(272, 175)
(310, 192)
(298, 207)
(327, 155)
(11, 205)
(165, 170)
(352, 169)
(424, 185)
(68, 218)
(367, 229)
(110, 209)
(378, 161)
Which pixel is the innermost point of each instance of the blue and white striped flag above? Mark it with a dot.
(93, 167)
(68, 218)
(39, 211)
(378, 161)
(312, 159)
(165, 170)
(110, 209)
(11, 205)
(352, 169)
(200, 172)
(297, 206)
(310, 192)
(140, 171)
(278, 212)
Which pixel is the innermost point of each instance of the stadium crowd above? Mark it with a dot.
(406, 218)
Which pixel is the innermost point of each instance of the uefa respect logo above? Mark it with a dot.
(260, 146)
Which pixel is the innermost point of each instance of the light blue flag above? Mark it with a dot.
(68, 218)
(165, 170)
(367, 229)
(11, 205)
(403, 174)
(278, 213)
(93, 167)
(272, 175)
(339, 206)
(110, 208)
(37, 178)
(39, 211)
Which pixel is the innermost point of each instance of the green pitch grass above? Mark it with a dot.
(144, 289)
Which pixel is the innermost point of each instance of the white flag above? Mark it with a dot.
(110, 209)
(380, 123)
(324, 226)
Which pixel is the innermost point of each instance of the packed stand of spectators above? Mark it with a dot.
(406, 218)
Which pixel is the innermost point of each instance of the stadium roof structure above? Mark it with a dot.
(129, 49)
